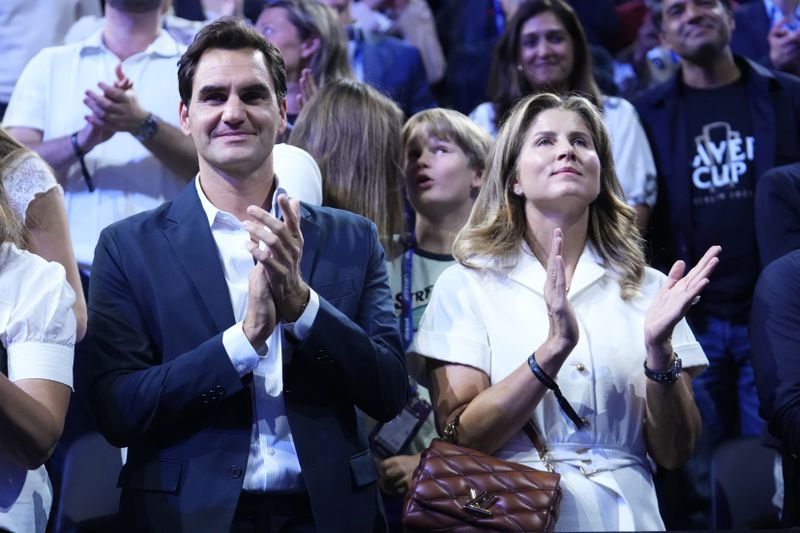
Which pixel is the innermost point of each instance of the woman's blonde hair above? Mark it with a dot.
(353, 133)
(452, 126)
(11, 228)
(497, 224)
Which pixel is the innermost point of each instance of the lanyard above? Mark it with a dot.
(407, 311)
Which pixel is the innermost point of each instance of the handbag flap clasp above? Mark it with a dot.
(479, 502)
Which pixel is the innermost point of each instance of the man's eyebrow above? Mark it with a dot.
(210, 89)
(256, 87)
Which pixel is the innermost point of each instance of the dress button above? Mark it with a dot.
(235, 471)
(271, 451)
(580, 367)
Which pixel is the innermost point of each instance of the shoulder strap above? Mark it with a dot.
(450, 434)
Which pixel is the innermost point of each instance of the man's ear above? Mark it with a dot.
(310, 46)
(183, 113)
(282, 121)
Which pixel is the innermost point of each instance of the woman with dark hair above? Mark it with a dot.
(37, 333)
(552, 290)
(544, 49)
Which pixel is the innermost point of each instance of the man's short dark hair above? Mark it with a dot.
(655, 11)
(230, 34)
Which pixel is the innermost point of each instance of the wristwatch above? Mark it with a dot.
(670, 375)
(147, 129)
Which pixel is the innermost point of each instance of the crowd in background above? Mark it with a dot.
(420, 115)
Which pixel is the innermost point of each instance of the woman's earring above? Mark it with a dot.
(517, 189)
(519, 68)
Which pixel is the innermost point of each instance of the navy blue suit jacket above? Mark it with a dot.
(778, 212)
(775, 335)
(164, 386)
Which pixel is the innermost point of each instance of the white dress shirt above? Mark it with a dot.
(272, 465)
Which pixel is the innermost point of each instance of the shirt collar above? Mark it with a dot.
(213, 214)
(164, 45)
(527, 270)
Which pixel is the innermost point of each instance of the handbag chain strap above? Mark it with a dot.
(450, 434)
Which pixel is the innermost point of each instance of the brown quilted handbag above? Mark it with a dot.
(458, 489)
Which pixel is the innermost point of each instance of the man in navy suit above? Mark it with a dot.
(235, 332)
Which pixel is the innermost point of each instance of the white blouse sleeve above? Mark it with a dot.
(26, 177)
(633, 157)
(451, 329)
(39, 324)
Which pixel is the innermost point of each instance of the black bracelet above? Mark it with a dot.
(79, 154)
(548, 382)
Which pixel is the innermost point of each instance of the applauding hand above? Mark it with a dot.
(672, 303)
(564, 332)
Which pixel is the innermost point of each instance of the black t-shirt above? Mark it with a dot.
(722, 182)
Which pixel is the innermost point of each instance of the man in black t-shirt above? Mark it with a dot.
(715, 127)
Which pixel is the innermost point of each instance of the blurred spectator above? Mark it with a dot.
(468, 31)
(124, 142)
(27, 26)
(390, 65)
(353, 132)
(181, 29)
(543, 49)
(600, 22)
(775, 331)
(208, 10)
(310, 38)
(646, 62)
(768, 32)
(717, 125)
(777, 212)
(411, 20)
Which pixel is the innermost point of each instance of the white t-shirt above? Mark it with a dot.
(37, 328)
(493, 322)
(633, 157)
(129, 178)
(27, 26)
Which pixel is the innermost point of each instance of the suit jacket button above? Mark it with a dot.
(235, 472)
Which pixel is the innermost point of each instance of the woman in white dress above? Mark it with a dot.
(38, 202)
(544, 49)
(552, 288)
(37, 333)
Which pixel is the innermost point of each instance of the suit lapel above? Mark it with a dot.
(310, 231)
(190, 237)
